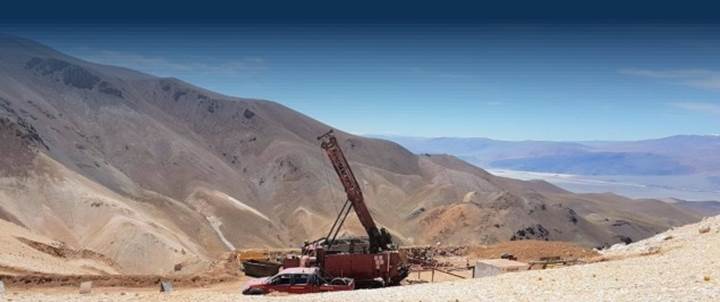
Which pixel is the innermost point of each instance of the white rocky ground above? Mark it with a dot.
(682, 264)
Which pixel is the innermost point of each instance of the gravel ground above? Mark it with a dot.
(680, 265)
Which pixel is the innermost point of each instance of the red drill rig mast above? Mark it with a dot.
(380, 240)
(371, 264)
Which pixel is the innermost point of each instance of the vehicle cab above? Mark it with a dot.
(297, 280)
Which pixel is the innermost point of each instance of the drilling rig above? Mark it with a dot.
(372, 263)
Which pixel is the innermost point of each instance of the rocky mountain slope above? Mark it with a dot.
(25, 252)
(152, 172)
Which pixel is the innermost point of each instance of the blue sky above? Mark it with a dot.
(543, 82)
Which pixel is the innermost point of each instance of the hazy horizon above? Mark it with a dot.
(521, 140)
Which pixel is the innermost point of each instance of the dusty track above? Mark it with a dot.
(527, 250)
(228, 270)
(139, 281)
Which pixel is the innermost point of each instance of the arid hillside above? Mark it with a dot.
(153, 172)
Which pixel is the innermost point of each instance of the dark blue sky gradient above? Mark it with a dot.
(360, 12)
(555, 71)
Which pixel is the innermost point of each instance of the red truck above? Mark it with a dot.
(297, 280)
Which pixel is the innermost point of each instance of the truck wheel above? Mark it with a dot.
(339, 281)
(377, 284)
(254, 291)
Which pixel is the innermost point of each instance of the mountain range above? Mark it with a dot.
(683, 166)
(674, 155)
(155, 174)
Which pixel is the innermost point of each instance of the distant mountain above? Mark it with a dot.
(483, 151)
(154, 172)
(675, 155)
(705, 208)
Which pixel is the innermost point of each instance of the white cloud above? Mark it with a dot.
(709, 83)
(705, 107)
(669, 74)
(700, 78)
(444, 75)
(172, 67)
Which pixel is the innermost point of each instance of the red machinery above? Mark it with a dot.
(375, 262)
